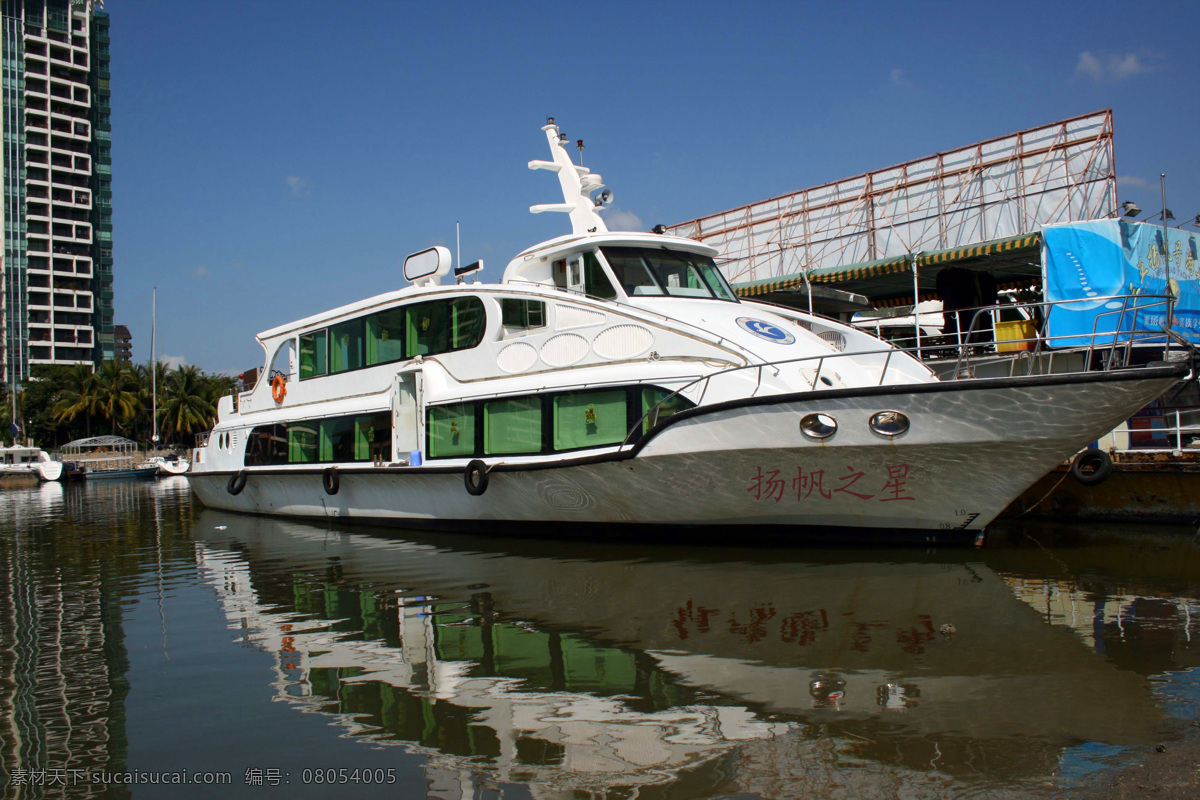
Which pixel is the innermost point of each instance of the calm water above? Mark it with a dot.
(140, 633)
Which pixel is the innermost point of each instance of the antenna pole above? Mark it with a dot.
(457, 249)
(1167, 255)
(153, 366)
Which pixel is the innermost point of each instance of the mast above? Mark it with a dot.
(577, 184)
(153, 366)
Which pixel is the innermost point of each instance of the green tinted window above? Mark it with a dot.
(346, 346)
(596, 281)
(451, 430)
(373, 437)
(512, 426)
(312, 355)
(425, 327)
(590, 419)
(517, 313)
(652, 396)
(467, 319)
(337, 439)
(385, 337)
(302, 443)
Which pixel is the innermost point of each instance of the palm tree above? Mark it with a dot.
(117, 390)
(79, 396)
(187, 407)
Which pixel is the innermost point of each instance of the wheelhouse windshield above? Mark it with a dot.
(646, 271)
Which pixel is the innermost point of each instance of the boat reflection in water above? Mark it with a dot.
(778, 672)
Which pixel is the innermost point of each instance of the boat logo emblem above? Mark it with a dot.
(765, 330)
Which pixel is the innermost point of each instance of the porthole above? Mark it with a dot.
(889, 423)
(818, 426)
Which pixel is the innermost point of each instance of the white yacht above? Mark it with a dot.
(18, 460)
(170, 464)
(614, 378)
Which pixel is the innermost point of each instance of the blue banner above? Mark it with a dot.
(1098, 259)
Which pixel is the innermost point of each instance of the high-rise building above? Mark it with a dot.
(124, 344)
(56, 306)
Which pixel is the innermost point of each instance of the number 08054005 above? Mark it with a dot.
(343, 775)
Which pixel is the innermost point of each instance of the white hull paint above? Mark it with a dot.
(972, 448)
(28, 460)
(166, 467)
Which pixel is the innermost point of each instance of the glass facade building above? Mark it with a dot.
(57, 301)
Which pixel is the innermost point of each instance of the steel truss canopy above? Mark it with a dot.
(995, 196)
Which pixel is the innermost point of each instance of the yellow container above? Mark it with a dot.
(1009, 336)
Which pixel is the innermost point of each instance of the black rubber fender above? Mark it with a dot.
(237, 482)
(476, 477)
(1092, 467)
(330, 481)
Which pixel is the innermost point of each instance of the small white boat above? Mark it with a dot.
(615, 378)
(169, 465)
(24, 460)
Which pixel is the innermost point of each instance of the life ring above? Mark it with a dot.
(330, 480)
(278, 388)
(476, 477)
(1092, 467)
(237, 482)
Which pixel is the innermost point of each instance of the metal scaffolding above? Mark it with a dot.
(1004, 187)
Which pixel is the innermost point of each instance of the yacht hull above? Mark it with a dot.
(972, 447)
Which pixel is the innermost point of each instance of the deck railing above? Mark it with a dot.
(1099, 354)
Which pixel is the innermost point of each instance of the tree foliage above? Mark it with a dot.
(61, 403)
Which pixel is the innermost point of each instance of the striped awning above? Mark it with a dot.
(864, 278)
(869, 269)
(903, 300)
(755, 288)
(993, 247)
(857, 272)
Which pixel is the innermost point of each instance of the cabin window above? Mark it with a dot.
(313, 354)
(597, 282)
(583, 270)
(426, 329)
(653, 395)
(337, 439)
(385, 337)
(346, 346)
(546, 423)
(467, 319)
(590, 419)
(631, 271)
(267, 446)
(512, 426)
(373, 437)
(441, 326)
(364, 437)
(651, 271)
(517, 313)
(302, 443)
(451, 430)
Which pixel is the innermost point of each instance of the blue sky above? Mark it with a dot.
(272, 159)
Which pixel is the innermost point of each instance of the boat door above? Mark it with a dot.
(575, 279)
(408, 427)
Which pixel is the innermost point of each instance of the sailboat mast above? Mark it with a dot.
(153, 366)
